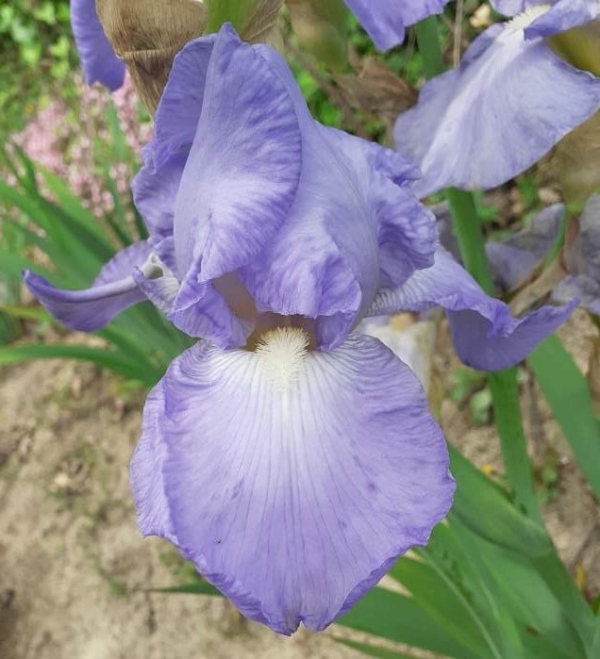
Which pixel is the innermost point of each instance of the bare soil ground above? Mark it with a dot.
(73, 567)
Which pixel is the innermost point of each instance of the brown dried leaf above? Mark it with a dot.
(538, 287)
(578, 160)
(377, 91)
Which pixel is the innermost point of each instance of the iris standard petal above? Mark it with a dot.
(485, 334)
(407, 229)
(181, 102)
(201, 310)
(113, 291)
(507, 104)
(292, 479)
(385, 20)
(100, 64)
(243, 169)
(350, 227)
(157, 282)
(323, 263)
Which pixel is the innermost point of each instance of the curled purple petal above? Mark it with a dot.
(100, 64)
(508, 103)
(157, 282)
(485, 334)
(386, 20)
(291, 479)
(113, 291)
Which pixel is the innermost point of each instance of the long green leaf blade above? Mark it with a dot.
(566, 390)
(399, 618)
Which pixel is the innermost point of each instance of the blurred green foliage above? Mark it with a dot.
(37, 54)
(36, 29)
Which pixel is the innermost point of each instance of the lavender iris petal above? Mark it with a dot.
(113, 291)
(386, 20)
(485, 334)
(300, 494)
(291, 460)
(510, 101)
(100, 64)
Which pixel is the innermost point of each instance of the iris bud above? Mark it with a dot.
(147, 35)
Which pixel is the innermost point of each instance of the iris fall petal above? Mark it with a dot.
(294, 488)
(485, 334)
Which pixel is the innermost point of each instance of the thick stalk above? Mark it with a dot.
(468, 231)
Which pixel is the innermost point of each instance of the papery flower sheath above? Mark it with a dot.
(507, 104)
(385, 20)
(290, 458)
(98, 59)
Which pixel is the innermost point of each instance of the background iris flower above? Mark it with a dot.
(386, 20)
(98, 59)
(507, 104)
(289, 458)
(515, 260)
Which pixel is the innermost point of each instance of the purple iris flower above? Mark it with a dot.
(509, 102)
(386, 20)
(100, 64)
(291, 459)
(514, 261)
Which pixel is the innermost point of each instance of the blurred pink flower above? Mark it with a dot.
(76, 143)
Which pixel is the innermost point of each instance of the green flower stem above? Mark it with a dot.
(428, 40)
(468, 231)
(223, 11)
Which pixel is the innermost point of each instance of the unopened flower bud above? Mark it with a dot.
(147, 34)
